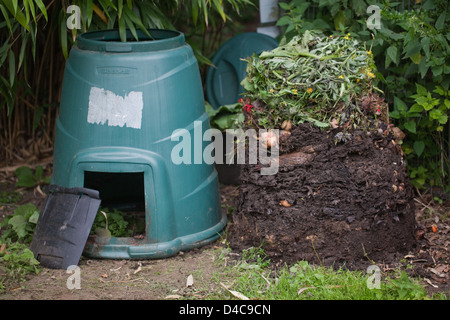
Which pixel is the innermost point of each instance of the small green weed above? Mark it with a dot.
(29, 179)
(20, 225)
(115, 220)
(254, 258)
(16, 259)
(404, 288)
(120, 224)
(225, 117)
(9, 197)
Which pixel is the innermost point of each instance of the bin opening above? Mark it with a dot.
(123, 193)
(114, 35)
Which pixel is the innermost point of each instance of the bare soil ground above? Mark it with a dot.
(166, 279)
(187, 275)
(126, 279)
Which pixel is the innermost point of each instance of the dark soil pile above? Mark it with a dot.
(333, 201)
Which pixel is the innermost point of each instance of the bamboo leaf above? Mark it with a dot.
(152, 16)
(219, 8)
(205, 11)
(33, 40)
(100, 13)
(106, 4)
(120, 8)
(134, 20)
(11, 5)
(41, 7)
(89, 11)
(112, 20)
(4, 51)
(122, 29)
(8, 95)
(27, 11)
(129, 23)
(37, 119)
(15, 5)
(22, 49)
(12, 67)
(63, 35)
(5, 15)
(32, 9)
(194, 11)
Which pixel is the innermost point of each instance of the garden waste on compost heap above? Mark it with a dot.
(341, 194)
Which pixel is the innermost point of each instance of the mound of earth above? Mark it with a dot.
(337, 199)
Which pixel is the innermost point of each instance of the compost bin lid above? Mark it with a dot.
(64, 225)
(223, 80)
(109, 41)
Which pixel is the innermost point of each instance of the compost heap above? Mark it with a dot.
(341, 195)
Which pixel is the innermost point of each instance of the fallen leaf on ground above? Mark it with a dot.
(443, 268)
(139, 268)
(284, 203)
(189, 281)
(235, 293)
(334, 123)
(304, 289)
(430, 283)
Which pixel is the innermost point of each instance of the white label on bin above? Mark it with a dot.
(107, 107)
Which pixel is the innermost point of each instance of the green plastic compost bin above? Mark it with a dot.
(122, 107)
(223, 79)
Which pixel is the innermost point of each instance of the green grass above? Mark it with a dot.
(252, 277)
(9, 197)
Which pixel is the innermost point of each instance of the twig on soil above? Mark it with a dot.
(10, 169)
(268, 282)
(424, 205)
(317, 255)
(117, 269)
(365, 254)
(123, 281)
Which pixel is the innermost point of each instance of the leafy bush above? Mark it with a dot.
(424, 122)
(411, 48)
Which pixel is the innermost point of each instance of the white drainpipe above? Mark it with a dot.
(269, 13)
